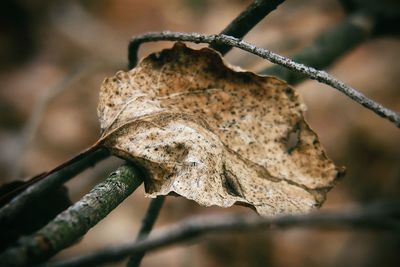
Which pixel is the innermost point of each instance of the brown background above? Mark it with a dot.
(43, 44)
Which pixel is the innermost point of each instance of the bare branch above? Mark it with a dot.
(73, 223)
(147, 224)
(327, 48)
(379, 216)
(48, 182)
(310, 72)
(246, 20)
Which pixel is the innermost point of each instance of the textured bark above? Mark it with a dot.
(48, 182)
(73, 223)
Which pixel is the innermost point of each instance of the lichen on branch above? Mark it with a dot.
(74, 222)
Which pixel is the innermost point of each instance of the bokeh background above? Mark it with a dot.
(55, 54)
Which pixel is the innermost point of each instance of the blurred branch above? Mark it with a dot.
(74, 21)
(383, 216)
(49, 181)
(310, 72)
(30, 129)
(327, 48)
(147, 224)
(348, 5)
(73, 223)
(386, 14)
(246, 20)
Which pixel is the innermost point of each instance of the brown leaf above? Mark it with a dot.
(215, 134)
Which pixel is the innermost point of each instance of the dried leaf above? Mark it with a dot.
(215, 134)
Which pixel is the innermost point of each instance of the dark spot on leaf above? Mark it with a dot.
(229, 183)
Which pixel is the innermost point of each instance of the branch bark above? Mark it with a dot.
(74, 222)
(320, 76)
(377, 216)
(246, 20)
(327, 48)
(49, 181)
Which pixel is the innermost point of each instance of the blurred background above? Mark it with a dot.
(55, 54)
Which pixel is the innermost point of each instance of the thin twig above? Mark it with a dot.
(327, 47)
(74, 222)
(312, 73)
(147, 224)
(381, 217)
(246, 20)
(50, 181)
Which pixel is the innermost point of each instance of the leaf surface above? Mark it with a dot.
(215, 134)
